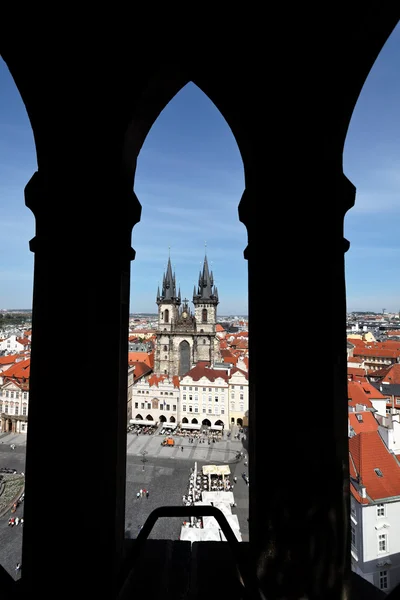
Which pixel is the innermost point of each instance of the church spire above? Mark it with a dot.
(206, 291)
(168, 291)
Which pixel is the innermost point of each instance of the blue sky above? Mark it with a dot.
(189, 181)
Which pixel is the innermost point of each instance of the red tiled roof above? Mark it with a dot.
(18, 370)
(140, 370)
(354, 359)
(219, 328)
(361, 393)
(368, 452)
(369, 423)
(146, 357)
(378, 352)
(202, 369)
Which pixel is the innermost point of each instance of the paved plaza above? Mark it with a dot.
(163, 471)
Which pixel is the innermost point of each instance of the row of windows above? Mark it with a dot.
(210, 410)
(221, 390)
(149, 407)
(8, 394)
(196, 397)
(16, 410)
(161, 393)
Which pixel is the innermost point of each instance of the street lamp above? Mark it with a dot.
(143, 453)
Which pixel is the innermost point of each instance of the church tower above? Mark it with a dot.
(184, 338)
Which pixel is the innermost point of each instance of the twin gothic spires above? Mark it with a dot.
(206, 290)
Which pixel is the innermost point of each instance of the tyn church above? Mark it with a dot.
(184, 338)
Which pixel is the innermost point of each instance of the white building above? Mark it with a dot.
(14, 343)
(375, 510)
(14, 397)
(213, 396)
(155, 398)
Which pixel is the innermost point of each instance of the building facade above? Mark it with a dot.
(155, 399)
(184, 338)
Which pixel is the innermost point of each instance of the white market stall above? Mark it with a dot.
(141, 422)
(190, 426)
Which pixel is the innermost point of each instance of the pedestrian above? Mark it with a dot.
(138, 495)
(235, 479)
(141, 493)
(181, 448)
(147, 493)
(17, 567)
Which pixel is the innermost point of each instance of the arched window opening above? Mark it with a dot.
(370, 162)
(176, 157)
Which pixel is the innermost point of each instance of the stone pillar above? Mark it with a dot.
(81, 282)
(298, 461)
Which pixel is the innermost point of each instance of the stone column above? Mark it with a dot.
(298, 446)
(81, 284)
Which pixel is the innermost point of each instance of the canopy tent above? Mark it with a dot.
(190, 426)
(237, 534)
(217, 427)
(216, 470)
(215, 497)
(224, 508)
(140, 422)
(190, 534)
(210, 535)
(170, 425)
(210, 522)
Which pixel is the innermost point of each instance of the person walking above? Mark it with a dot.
(138, 495)
(147, 493)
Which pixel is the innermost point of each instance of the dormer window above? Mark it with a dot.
(378, 472)
(359, 418)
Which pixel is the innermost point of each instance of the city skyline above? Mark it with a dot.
(189, 181)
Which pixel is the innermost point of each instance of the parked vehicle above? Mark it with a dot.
(169, 441)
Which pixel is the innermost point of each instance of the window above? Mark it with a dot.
(196, 409)
(136, 404)
(190, 397)
(6, 408)
(168, 407)
(184, 387)
(7, 394)
(210, 410)
(383, 580)
(209, 398)
(184, 397)
(196, 389)
(210, 389)
(190, 408)
(174, 407)
(25, 395)
(161, 393)
(378, 472)
(216, 399)
(397, 401)
(24, 410)
(222, 411)
(12, 394)
(359, 418)
(204, 409)
(204, 389)
(382, 542)
(184, 408)
(190, 388)
(232, 395)
(232, 406)
(380, 510)
(196, 398)
(241, 387)
(241, 397)
(142, 405)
